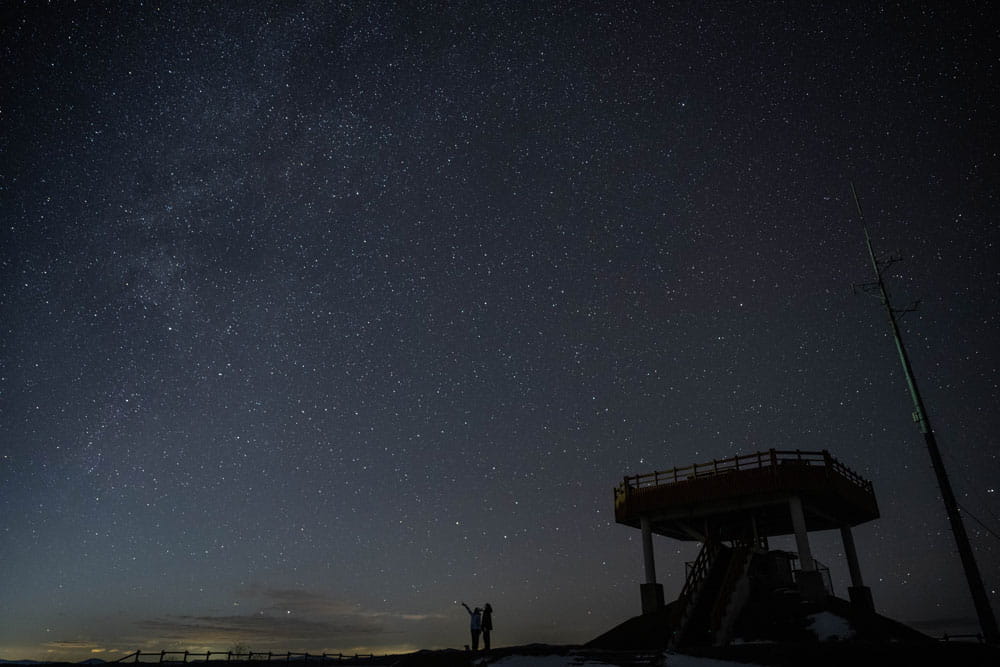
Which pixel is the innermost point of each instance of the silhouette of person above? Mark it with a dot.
(487, 625)
(475, 624)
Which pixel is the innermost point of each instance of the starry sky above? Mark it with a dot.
(317, 319)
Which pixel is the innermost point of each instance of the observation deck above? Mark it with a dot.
(720, 497)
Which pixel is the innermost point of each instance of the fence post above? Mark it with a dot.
(162, 653)
(138, 651)
(185, 657)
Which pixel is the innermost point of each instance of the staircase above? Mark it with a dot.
(733, 596)
(694, 589)
(715, 592)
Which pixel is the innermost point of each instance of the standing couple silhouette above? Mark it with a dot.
(480, 621)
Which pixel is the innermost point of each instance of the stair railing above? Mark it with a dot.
(692, 587)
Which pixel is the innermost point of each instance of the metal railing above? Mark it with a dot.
(823, 570)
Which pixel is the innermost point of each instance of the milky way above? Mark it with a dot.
(319, 319)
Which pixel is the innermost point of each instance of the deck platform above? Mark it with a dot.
(721, 497)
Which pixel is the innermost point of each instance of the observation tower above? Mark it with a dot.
(732, 506)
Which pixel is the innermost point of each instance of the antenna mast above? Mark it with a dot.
(987, 620)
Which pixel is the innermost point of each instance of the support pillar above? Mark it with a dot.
(647, 550)
(852, 556)
(652, 592)
(801, 534)
(809, 580)
(861, 595)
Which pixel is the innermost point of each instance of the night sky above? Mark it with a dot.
(319, 318)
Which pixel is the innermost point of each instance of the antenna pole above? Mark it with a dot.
(987, 620)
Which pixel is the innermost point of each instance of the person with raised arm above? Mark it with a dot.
(475, 624)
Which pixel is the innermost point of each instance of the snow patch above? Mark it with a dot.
(673, 660)
(543, 661)
(681, 660)
(830, 627)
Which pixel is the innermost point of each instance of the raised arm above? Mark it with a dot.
(467, 608)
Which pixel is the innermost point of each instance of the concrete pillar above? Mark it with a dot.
(852, 556)
(810, 581)
(801, 535)
(647, 550)
(860, 595)
(652, 592)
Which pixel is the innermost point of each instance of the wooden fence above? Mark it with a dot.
(151, 657)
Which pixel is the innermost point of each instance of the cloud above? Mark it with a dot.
(71, 644)
(281, 600)
(267, 627)
(64, 648)
(299, 601)
(420, 617)
(281, 618)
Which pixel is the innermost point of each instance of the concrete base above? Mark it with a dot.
(861, 599)
(811, 586)
(652, 598)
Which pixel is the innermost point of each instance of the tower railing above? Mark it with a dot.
(772, 458)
